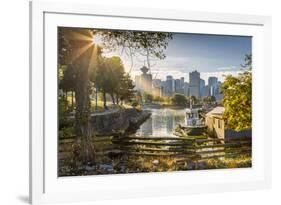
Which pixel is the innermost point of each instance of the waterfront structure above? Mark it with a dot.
(194, 84)
(216, 125)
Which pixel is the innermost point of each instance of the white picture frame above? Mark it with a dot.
(46, 187)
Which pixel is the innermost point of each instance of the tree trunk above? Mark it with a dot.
(104, 100)
(83, 126)
(112, 97)
(83, 108)
(72, 99)
(117, 99)
(147, 58)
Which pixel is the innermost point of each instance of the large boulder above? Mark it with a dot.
(118, 121)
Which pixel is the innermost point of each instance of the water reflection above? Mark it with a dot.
(162, 122)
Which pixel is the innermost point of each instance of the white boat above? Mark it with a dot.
(193, 118)
(194, 126)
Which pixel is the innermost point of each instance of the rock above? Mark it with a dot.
(190, 165)
(201, 165)
(90, 168)
(122, 120)
(107, 167)
(155, 162)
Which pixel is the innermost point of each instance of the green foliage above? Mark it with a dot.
(64, 113)
(108, 74)
(237, 101)
(147, 98)
(111, 78)
(67, 79)
(209, 100)
(248, 62)
(126, 90)
(179, 99)
(192, 99)
(148, 44)
(158, 99)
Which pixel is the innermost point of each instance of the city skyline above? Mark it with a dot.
(194, 86)
(211, 55)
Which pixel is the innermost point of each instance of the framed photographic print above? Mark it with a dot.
(129, 102)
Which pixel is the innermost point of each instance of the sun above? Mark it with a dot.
(97, 40)
(93, 40)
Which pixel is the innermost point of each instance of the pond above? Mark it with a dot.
(162, 122)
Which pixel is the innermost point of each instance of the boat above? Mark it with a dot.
(194, 117)
(195, 125)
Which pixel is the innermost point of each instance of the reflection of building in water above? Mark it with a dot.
(170, 122)
(162, 122)
(146, 128)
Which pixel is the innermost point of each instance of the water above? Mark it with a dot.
(162, 122)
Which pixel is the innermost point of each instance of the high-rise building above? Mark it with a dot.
(138, 83)
(194, 84)
(177, 85)
(202, 88)
(182, 82)
(157, 89)
(156, 82)
(186, 89)
(169, 88)
(213, 85)
(143, 82)
(207, 90)
(218, 94)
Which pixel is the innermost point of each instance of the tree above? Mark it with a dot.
(125, 91)
(77, 54)
(67, 81)
(179, 99)
(111, 79)
(151, 45)
(192, 100)
(237, 92)
(248, 62)
(104, 78)
(209, 100)
(148, 98)
(158, 99)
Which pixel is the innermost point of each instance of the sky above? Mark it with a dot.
(211, 55)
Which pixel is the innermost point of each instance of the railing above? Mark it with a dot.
(183, 148)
